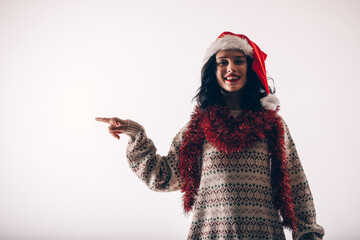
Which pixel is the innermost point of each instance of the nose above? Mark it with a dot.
(230, 67)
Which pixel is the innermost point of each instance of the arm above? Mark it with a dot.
(159, 173)
(304, 208)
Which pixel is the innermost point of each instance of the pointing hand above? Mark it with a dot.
(117, 126)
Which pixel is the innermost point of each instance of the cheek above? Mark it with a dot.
(243, 69)
(219, 73)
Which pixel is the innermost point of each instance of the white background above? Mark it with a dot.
(63, 63)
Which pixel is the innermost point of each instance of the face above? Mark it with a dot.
(231, 69)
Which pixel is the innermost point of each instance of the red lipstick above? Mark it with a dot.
(232, 78)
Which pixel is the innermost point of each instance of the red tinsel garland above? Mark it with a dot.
(231, 134)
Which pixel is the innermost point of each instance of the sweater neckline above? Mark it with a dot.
(236, 112)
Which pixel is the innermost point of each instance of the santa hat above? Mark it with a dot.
(232, 41)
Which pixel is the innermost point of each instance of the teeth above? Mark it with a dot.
(232, 78)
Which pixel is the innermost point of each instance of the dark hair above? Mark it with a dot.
(209, 93)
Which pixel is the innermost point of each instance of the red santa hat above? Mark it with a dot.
(228, 41)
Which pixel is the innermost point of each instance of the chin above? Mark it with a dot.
(234, 89)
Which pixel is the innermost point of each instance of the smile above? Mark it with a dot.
(232, 78)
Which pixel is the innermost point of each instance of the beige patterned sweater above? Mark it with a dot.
(235, 197)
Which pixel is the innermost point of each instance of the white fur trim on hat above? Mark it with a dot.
(270, 102)
(226, 43)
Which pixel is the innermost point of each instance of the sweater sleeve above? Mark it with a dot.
(304, 208)
(159, 173)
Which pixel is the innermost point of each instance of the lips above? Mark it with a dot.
(232, 78)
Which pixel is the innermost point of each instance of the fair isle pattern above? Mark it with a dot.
(235, 197)
(159, 173)
(230, 134)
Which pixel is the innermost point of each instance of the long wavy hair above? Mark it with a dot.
(209, 93)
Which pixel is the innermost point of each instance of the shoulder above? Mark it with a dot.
(287, 135)
(274, 119)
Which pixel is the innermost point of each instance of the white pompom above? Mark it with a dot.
(270, 102)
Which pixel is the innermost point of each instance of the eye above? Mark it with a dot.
(222, 63)
(239, 62)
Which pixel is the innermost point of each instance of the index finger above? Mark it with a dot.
(105, 120)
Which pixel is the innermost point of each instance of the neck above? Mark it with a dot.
(232, 99)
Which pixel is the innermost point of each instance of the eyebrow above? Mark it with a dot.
(234, 57)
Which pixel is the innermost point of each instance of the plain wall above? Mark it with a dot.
(63, 63)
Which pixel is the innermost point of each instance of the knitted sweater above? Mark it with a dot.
(235, 198)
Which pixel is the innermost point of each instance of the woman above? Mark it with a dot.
(235, 160)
